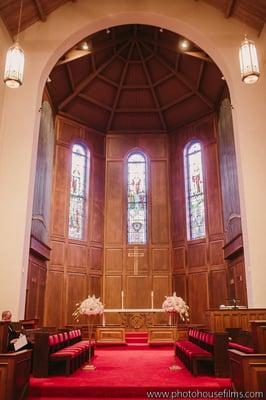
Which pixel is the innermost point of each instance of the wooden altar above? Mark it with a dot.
(137, 318)
(219, 320)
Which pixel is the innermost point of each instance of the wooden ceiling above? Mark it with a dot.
(136, 79)
(251, 12)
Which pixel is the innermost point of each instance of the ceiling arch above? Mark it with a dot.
(136, 78)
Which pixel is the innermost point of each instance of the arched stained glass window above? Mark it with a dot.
(137, 199)
(194, 191)
(78, 190)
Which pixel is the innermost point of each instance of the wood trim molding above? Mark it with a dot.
(233, 247)
(40, 249)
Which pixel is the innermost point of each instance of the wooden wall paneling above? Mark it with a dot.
(67, 130)
(32, 289)
(113, 260)
(179, 285)
(159, 203)
(41, 295)
(161, 260)
(96, 285)
(112, 297)
(161, 288)
(75, 292)
(96, 259)
(156, 145)
(57, 253)
(218, 288)
(60, 191)
(138, 292)
(216, 255)
(117, 146)
(54, 299)
(179, 258)
(76, 255)
(177, 190)
(97, 209)
(143, 260)
(196, 254)
(198, 296)
(114, 202)
(214, 214)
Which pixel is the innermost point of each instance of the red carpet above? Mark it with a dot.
(124, 374)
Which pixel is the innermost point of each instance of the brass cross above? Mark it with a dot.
(136, 256)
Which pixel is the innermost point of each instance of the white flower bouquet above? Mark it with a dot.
(174, 304)
(90, 306)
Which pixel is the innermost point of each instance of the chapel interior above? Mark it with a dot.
(136, 195)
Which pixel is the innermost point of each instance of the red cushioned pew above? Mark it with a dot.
(63, 351)
(205, 348)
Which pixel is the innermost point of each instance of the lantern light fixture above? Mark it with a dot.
(249, 65)
(14, 66)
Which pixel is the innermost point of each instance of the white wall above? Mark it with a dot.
(44, 43)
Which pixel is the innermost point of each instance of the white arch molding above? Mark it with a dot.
(44, 43)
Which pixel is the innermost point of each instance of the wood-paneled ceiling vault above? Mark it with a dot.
(134, 77)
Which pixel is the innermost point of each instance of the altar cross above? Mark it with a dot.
(136, 256)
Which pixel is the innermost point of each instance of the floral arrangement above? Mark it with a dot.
(90, 306)
(174, 304)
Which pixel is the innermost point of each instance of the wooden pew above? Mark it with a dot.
(248, 371)
(14, 374)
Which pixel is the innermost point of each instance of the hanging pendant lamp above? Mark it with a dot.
(249, 65)
(14, 66)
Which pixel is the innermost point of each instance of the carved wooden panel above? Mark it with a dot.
(75, 292)
(198, 296)
(54, 299)
(76, 255)
(160, 203)
(114, 205)
(138, 292)
(161, 260)
(179, 259)
(218, 288)
(113, 260)
(216, 253)
(141, 264)
(96, 259)
(57, 253)
(196, 254)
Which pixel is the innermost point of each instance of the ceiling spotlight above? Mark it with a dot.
(184, 44)
(84, 45)
(108, 31)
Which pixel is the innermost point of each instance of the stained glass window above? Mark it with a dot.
(194, 191)
(77, 204)
(137, 199)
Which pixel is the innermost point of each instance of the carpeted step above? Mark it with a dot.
(137, 340)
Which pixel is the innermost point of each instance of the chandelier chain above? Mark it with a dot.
(19, 19)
